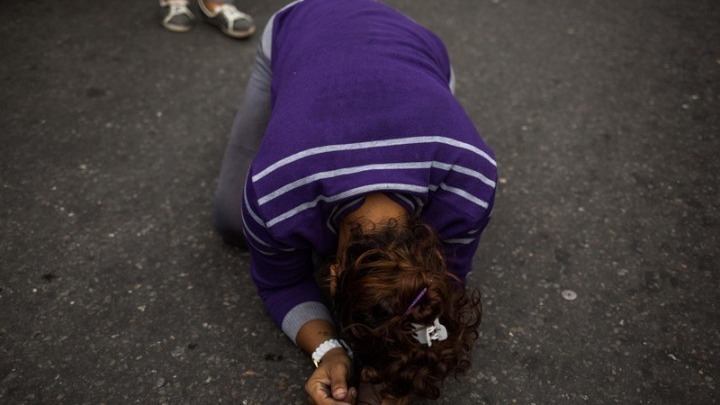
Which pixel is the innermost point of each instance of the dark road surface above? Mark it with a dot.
(600, 270)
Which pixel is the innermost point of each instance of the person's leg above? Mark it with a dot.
(247, 132)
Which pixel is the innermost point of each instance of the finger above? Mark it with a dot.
(352, 395)
(319, 392)
(322, 400)
(328, 400)
(338, 381)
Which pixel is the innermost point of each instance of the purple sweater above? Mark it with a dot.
(360, 104)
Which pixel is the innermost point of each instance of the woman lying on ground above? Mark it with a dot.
(349, 145)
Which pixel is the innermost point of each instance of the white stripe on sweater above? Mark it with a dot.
(349, 193)
(372, 144)
(380, 166)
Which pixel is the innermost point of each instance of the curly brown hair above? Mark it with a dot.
(377, 278)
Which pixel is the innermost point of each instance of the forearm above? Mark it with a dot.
(313, 333)
(329, 383)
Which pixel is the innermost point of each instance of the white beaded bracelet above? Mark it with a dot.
(326, 346)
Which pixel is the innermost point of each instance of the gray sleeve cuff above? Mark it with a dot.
(301, 314)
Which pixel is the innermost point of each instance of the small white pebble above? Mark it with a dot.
(83, 166)
(569, 295)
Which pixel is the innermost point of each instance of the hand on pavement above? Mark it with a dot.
(328, 385)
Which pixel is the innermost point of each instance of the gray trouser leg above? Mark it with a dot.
(247, 133)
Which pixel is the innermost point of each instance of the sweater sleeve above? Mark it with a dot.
(282, 274)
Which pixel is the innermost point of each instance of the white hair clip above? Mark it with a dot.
(427, 334)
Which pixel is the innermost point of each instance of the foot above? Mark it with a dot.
(176, 16)
(228, 18)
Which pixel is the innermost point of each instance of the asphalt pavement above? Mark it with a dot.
(600, 270)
